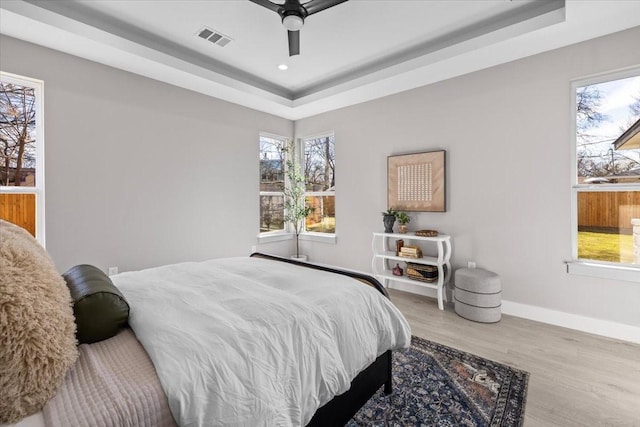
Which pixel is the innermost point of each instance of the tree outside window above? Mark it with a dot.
(21, 151)
(607, 186)
(319, 171)
(17, 135)
(272, 164)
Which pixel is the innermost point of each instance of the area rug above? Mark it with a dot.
(435, 385)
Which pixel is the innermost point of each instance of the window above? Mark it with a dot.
(319, 170)
(316, 158)
(606, 187)
(22, 153)
(272, 164)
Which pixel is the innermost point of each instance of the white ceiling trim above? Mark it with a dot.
(36, 25)
(578, 21)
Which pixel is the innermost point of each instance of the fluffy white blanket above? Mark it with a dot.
(255, 342)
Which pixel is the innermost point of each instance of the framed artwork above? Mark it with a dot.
(416, 182)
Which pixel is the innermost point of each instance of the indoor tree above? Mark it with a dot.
(295, 208)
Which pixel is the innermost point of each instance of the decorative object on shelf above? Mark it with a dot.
(397, 270)
(295, 208)
(399, 245)
(421, 272)
(388, 219)
(410, 251)
(403, 219)
(427, 233)
(416, 182)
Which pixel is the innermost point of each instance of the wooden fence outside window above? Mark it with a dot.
(608, 211)
(19, 209)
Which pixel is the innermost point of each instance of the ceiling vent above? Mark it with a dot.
(214, 36)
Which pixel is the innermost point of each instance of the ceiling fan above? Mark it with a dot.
(293, 13)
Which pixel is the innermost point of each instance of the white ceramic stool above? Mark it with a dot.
(478, 295)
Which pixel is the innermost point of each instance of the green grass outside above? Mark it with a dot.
(327, 225)
(605, 247)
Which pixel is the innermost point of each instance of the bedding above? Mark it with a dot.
(247, 342)
(112, 384)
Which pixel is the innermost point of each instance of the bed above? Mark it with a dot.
(192, 354)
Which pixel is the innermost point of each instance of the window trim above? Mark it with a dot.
(274, 236)
(604, 270)
(39, 189)
(584, 267)
(313, 236)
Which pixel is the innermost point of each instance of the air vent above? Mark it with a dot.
(214, 36)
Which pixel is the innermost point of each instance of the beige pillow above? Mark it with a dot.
(37, 327)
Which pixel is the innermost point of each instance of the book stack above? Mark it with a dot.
(410, 252)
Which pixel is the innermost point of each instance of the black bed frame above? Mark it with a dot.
(339, 410)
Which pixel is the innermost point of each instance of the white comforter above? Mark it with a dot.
(254, 342)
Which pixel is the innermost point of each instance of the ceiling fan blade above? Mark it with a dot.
(266, 3)
(294, 43)
(315, 6)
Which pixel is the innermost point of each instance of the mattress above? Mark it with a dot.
(257, 342)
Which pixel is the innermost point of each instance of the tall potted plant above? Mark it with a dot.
(295, 208)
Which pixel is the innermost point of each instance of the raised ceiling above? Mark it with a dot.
(353, 52)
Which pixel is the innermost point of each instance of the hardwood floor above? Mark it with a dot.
(576, 379)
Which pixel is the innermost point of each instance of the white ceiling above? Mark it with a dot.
(350, 53)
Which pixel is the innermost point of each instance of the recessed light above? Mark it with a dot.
(283, 67)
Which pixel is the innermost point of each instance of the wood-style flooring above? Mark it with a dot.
(576, 379)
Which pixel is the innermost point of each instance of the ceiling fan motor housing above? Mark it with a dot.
(293, 15)
(292, 21)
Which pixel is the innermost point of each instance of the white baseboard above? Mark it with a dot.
(591, 325)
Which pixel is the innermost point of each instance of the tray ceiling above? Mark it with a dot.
(353, 52)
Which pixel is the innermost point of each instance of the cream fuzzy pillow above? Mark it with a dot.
(37, 327)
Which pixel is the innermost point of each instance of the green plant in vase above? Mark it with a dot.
(403, 219)
(388, 219)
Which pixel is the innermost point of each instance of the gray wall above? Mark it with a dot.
(507, 135)
(140, 173)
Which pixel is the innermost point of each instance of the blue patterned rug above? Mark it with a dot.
(435, 385)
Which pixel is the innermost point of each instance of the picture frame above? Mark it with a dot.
(416, 182)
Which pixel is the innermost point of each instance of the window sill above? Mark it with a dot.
(274, 237)
(318, 237)
(604, 271)
(310, 237)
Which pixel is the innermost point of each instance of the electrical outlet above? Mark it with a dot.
(471, 264)
(112, 271)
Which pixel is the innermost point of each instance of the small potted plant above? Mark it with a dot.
(403, 219)
(388, 219)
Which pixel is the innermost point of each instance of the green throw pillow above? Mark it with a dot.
(99, 307)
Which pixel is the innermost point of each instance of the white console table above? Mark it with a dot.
(385, 254)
